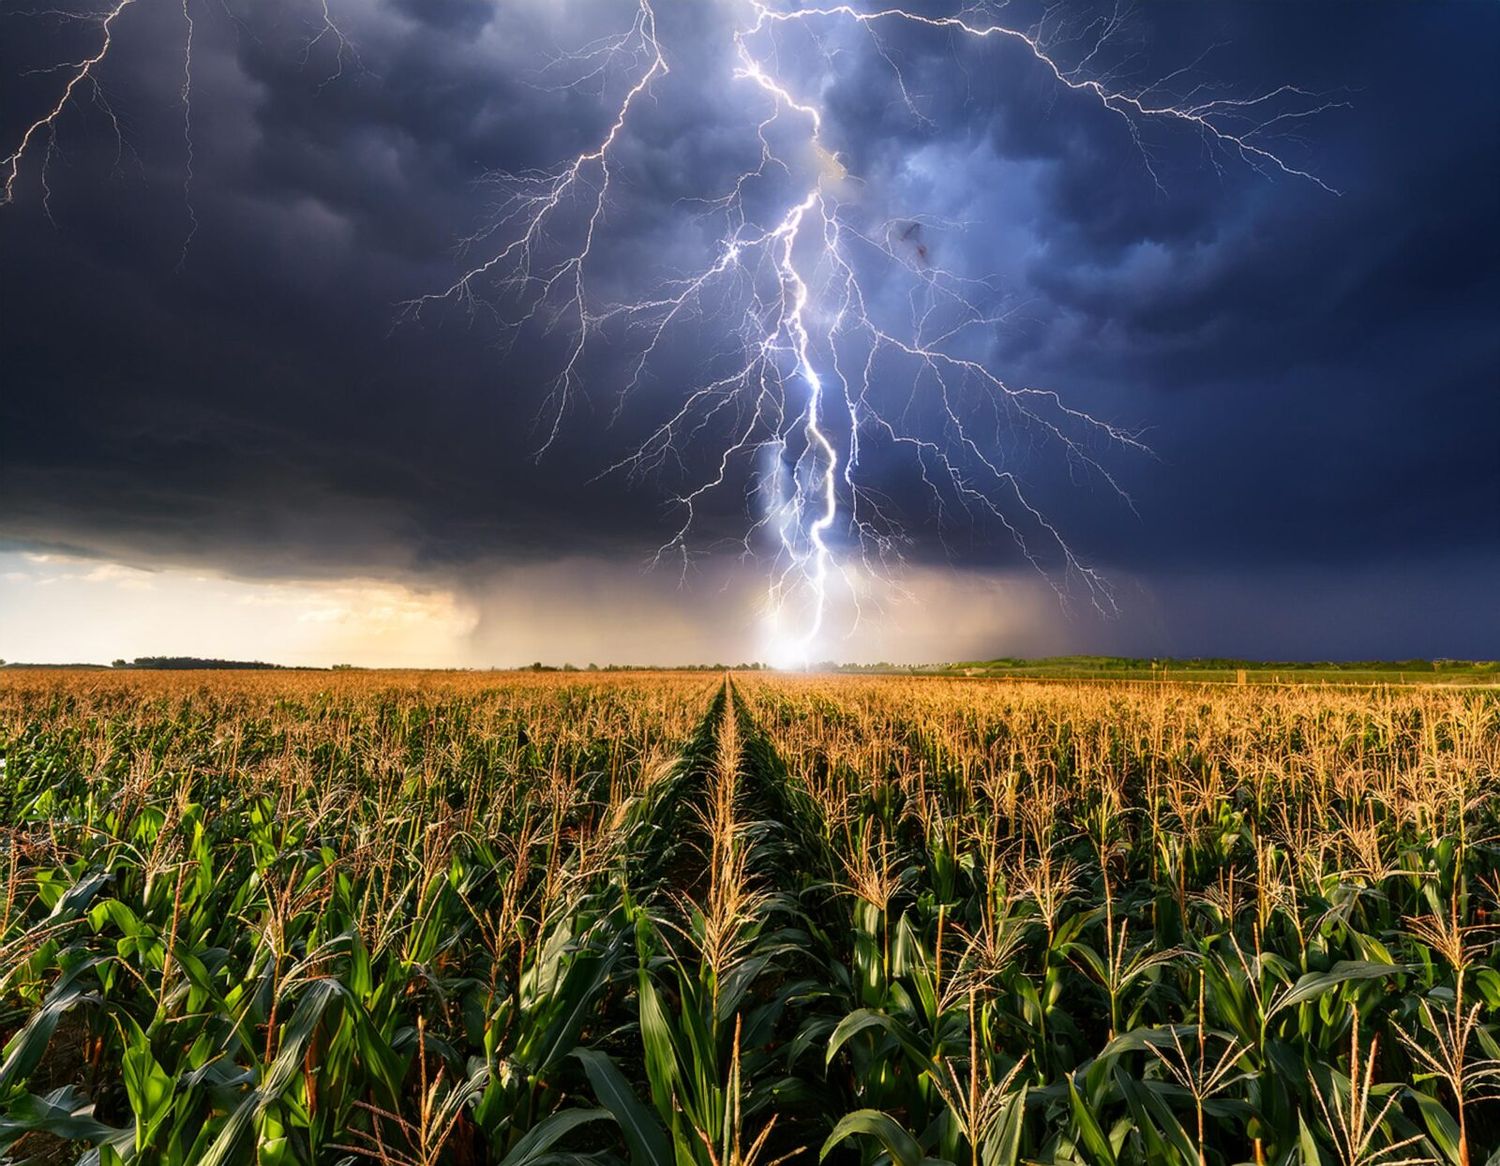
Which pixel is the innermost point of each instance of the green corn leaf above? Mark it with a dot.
(1314, 984)
(1139, 1040)
(1078, 951)
(1307, 1145)
(116, 912)
(644, 1134)
(569, 1007)
(1003, 1147)
(901, 1146)
(64, 1113)
(1440, 1125)
(1090, 1131)
(1158, 1125)
(79, 895)
(147, 1085)
(278, 1076)
(864, 1018)
(105, 1155)
(25, 1050)
(658, 1044)
(1488, 982)
(539, 1139)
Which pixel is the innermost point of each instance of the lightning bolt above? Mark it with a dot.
(810, 357)
(811, 368)
(81, 77)
(186, 95)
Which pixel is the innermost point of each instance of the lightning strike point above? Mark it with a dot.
(812, 370)
(814, 361)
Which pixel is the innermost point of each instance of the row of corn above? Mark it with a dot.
(666, 920)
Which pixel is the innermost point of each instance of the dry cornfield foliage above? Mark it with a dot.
(667, 919)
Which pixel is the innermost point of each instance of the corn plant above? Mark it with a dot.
(674, 920)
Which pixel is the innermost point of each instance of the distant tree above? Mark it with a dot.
(192, 662)
(119, 664)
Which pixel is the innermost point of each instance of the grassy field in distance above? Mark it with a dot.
(680, 919)
(1233, 671)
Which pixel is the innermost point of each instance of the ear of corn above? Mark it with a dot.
(649, 919)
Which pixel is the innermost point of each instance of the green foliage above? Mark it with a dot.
(578, 917)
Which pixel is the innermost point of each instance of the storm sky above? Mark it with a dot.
(227, 438)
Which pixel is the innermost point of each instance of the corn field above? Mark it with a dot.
(675, 920)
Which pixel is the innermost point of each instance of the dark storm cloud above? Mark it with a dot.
(1315, 373)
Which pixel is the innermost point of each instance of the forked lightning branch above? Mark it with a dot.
(834, 330)
(817, 365)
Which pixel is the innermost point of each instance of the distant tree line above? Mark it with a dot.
(23, 664)
(191, 662)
